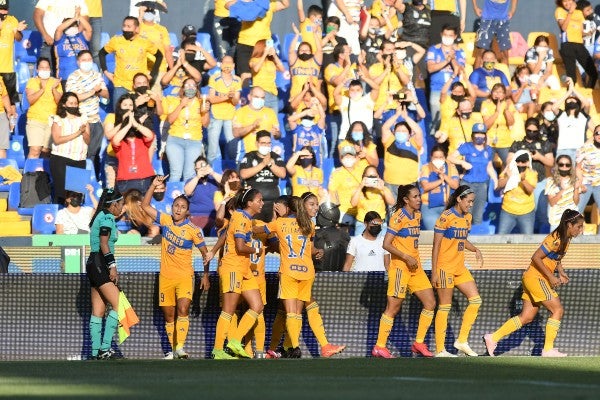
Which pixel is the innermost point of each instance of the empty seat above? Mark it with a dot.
(16, 228)
(5, 162)
(287, 42)
(9, 216)
(36, 164)
(28, 49)
(204, 40)
(44, 218)
(23, 75)
(16, 151)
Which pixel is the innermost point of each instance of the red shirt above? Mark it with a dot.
(134, 162)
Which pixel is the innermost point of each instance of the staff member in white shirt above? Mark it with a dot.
(365, 252)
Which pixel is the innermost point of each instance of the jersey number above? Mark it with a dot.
(254, 258)
(171, 249)
(461, 246)
(301, 238)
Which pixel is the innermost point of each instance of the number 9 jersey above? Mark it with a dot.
(406, 231)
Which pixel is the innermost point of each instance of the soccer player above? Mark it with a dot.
(448, 269)
(101, 269)
(405, 271)
(236, 276)
(539, 284)
(176, 279)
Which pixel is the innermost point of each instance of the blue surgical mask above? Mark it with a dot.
(401, 137)
(258, 103)
(307, 123)
(357, 136)
(479, 140)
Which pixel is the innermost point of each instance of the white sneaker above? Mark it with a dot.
(445, 354)
(553, 353)
(465, 348)
(168, 356)
(181, 354)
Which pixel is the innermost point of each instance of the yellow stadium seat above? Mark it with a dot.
(546, 94)
(468, 46)
(3, 204)
(552, 42)
(16, 228)
(9, 216)
(504, 68)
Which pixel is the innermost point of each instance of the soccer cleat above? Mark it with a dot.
(295, 353)
(260, 354)
(237, 348)
(553, 353)
(168, 356)
(221, 355)
(181, 354)
(106, 354)
(272, 354)
(465, 348)
(490, 344)
(285, 353)
(421, 348)
(445, 354)
(381, 352)
(331, 349)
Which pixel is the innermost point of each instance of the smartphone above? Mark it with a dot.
(372, 182)
(399, 96)
(269, 43)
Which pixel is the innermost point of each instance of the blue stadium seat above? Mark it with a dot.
(16, 150)
(484, 228)
(36, 164)
(104, 38)
(14, 196)
(204, 40)
(228, 164)
(173, 190)
(494, 197)
(174, 39)
(217, 165)
(328, 167)
(110, 62)
(276, 44)
(157, 165)
(44, 218)
(28, 49)
(89, 165)
(4, 162)
(23, 75)
(287, 42)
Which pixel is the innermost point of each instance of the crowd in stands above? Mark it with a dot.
(356, 100)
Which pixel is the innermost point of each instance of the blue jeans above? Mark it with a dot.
(481, 193)
(434, 108)
(334, 121)
(429, 216)
(182, 154)
(214, 134)
(585, 197)
(272, 102)
(541, 205)
(96, 23)
(502, 153)
(118, 91)
(508, 222)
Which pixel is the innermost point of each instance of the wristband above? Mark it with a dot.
(109, 258)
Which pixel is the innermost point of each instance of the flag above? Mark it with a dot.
(127, 317)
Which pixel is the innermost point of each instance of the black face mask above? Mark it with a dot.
(417, 3)
(572, 105)
(590, 17)
(375, 230)
(158, 196)
(465, 115)
(306, 162)
(128, 35)
(564, 172)
(75, 202)
(3, 17)
(72, 110)
(521, 169)
(190, 57)
(141, 89)
(457, 98)
(305, 57)
(495, 101)
(597, 144)
(532, 135)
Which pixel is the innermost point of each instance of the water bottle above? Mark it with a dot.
(12, 122)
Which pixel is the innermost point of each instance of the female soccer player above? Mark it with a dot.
(101, 269)
(176, 279)
(405, 271)
(448, 269)
(539, 284)
(236, 276)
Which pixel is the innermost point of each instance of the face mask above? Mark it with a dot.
(306, 162)
(75, 202)
(72, 31)
(571, 106)
(235, 185)
(400, 54)
(488, 65)
(524, 79)
(86, 66)
(549, 115)
(375, 230)
(590, 17)
(357, 136)
(72, 110)
(401, 137)
(457, 98)
(305, 56)
(148, 16)
(540, 49)
(348, 162)
(264, 150)
(564, 172)
(531, 135)
(417, 3)
(597, 144)
(438, 163)
(257, 103)
(447, 41)
(355, 96)
(44, 74)
(318, 22)
(141, 89)
(307, 123)
(3, 17)
(465, 115)
(479, 140)
(226, 68)
(495, 101)
(189, 93)
(128, 35)
(521, 169)
(190, 57)
(330, 29)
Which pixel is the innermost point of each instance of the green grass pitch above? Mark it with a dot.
(483, 378)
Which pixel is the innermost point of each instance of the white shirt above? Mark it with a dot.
(571, 131)
(368, 254)
(352, 111)
(55, 11)
(72, 223)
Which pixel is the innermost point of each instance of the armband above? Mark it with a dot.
(109, 258)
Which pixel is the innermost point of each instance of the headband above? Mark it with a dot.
(466, 192)
(245, 193)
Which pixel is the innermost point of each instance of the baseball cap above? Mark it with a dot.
(347, 150)
(3, 4)
(479, 128)
(187, 30)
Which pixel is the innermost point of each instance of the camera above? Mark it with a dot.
(269, 43)
(399, 96)
(372, 182)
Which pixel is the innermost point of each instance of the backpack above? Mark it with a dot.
(35, 189)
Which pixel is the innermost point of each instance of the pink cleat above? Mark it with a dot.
(381, 352)
(490, 344)
(331, 349)
(553, 353)
(421, 348)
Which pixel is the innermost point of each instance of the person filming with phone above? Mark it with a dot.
(370, 195)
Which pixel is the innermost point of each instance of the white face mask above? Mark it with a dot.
(148, 16)
(44, 74)
(447, 41)
(438, 163)
(541, 48)
(307, 123)
(549, 115)
(72, 31)
(86, 66)
(348, 162)
(264, 150)
(400, 54)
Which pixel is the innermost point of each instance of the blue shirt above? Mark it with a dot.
(67, 48)
(310, 137)
(201, 201)
(495, 9)
(485, 79)
(437, 79)
(479, 159)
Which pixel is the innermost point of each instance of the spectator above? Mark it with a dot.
(475, 158)
(185, 66)
(358, 136)
(224, 95)
(151, 30)
(130, 145)
(188, 116)
(71, 37)
(548, 124)
(306, 176)
(311, 24)
(251, 118)
(201, 190)
(348, 11)
(11, 31)
(75, 218)
(446, 13)
(590, 27)
(113, 124)
(141, 222)
(444, 61)
(261, 170)
(43, 93)
(95, 20)
(416, 22)
(383, 10)
(486, 77)
(389, 73)
(570, 21)
(129, 60)
(308, 127)
(149, 103)
(305, 62)
(203, 59)
(451, 96)
(356, 106)
(540, 61)
(226, 30)
(7, 113)
(371, 194)
(524, 93)
(365, 251)
(229, 186)
(518, 207)
(330, 40)
(588, 170)
(495, 21)
(438, 179)
(264, 64)
(372, 36)
(453, 131)
(89, 87)
(70, 138)
(562, 190)
(304, 99)
(403, 142)
(498, 116)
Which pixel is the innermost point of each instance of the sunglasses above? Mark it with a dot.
(564, 165)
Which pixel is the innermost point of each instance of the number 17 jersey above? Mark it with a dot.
(294, 247)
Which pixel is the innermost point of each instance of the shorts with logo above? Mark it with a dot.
(261, 281)
(490, 27)
(450, 278)
(537, 289)
(401, 279)
(170, 290)
(236, 280)
(292, 288)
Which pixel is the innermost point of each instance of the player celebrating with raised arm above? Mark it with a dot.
(405, 271)
(539, 284)
(448, 269)
(176, 278)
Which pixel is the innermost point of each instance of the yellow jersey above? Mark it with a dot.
(444, 5)
(499, 132)
(307, 33)
(7, 44)
(295, 248)
(332, 71)
(245, 116)
(574, 32)
(224, 110)
(265, 77)
(252, 32)
(389, 85)
(307, 181)
(401, 157)
(45, 106)
(220, 10)
(302, 72)
(344, 182)
(455, 229)
(406, 231)
(177, 244)
(550, 247)
(459, 130)
(94, 8)
(188, 124)
(3, 92)
(158, 35)
(239, 227)
(516, 201)
(378, 9)
(130, 58)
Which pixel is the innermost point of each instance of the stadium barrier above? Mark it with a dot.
(46, 316)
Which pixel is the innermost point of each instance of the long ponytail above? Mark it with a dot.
(302, 217)
(561, 232)
(108, 197)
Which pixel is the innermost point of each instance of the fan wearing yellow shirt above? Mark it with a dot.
(498, 116)
(305, 63)
(306, 176)
(10, 32)
(131, 53)
(158, 35)
(310, 24)
(456, 130)
(264, 65)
